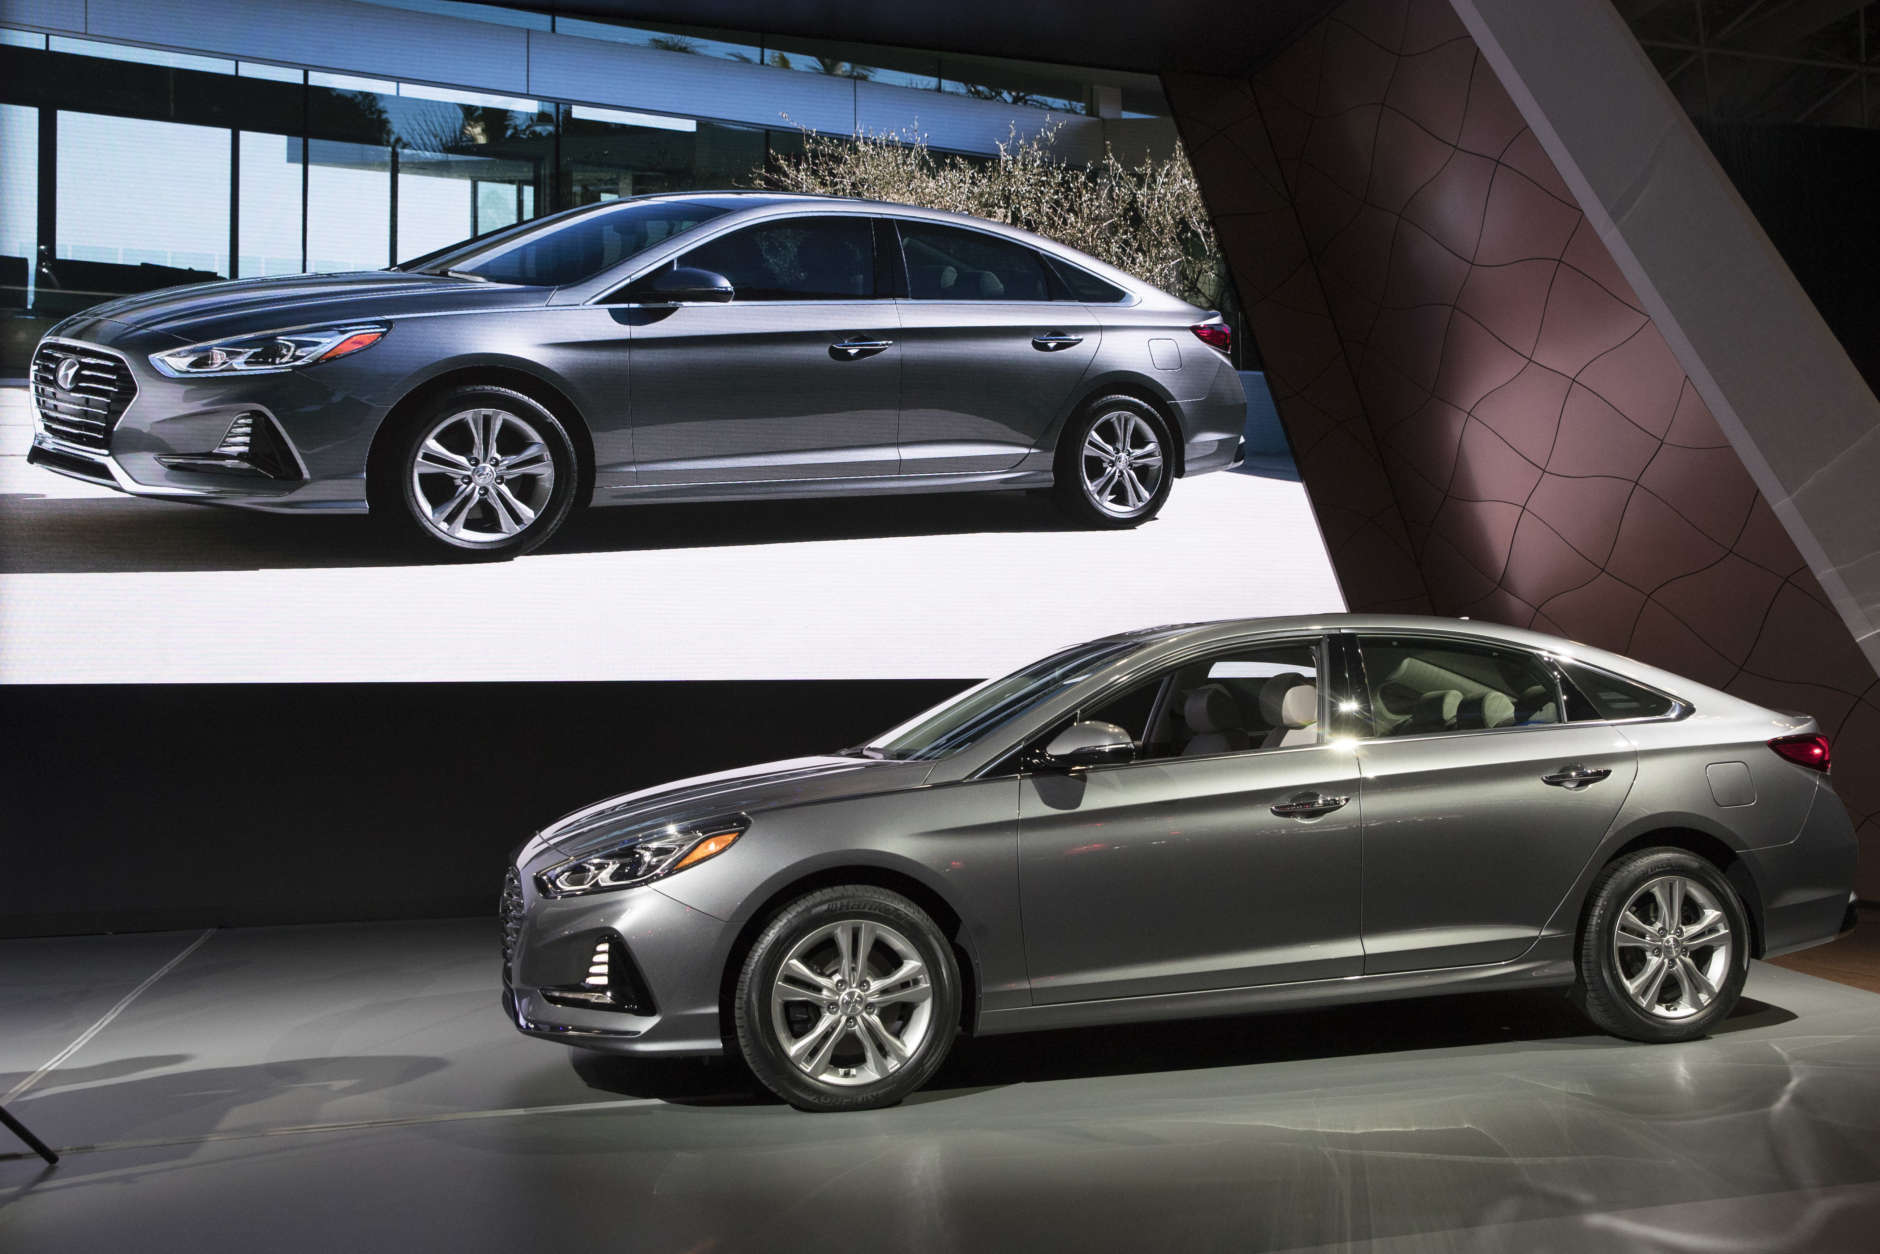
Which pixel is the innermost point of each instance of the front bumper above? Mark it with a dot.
(164, 443)
(676, 954)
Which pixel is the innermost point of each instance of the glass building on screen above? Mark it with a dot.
(148, 144)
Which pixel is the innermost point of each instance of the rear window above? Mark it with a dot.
(948, 263)
(1595, 696)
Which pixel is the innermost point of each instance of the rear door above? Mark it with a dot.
(1481, 805)
(990, 357)
(798, 377)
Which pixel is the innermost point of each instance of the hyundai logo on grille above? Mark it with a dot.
(68, 374)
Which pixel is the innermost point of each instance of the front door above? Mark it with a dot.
(1176, 873)
(798, 377)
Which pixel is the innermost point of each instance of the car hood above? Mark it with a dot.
(207, 311)
(747, 790)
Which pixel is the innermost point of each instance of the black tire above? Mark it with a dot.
(1600, 988)
(1074, 495)
(397, 498)
(757, 1036)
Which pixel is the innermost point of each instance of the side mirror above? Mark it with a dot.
(685, 285)
(1089, 744)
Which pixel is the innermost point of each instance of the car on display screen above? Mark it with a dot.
(1189, 821)
(663, 348)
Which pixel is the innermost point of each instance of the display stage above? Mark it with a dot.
(356, 1087)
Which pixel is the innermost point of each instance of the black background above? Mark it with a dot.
(139, 807)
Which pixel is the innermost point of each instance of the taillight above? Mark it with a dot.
(1810, 750)
(1214, 335)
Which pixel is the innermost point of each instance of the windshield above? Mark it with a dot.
(578, 248)
(963, 720)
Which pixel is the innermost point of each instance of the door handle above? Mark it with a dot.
(1054, 341)
(1309, 805)
(1574, 777)
(855, 346)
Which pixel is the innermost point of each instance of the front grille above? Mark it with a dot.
(511, 911)
(86, 413)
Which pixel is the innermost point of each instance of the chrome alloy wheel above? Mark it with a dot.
(852, 1003)
(481, 476)
(1672, 946)
(1122, 463)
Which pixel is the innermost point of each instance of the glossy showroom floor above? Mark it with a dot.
(355, 1087)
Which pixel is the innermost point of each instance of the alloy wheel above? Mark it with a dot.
(852, 1003)
(1122, 463)
(1672, 947)
(482, 476)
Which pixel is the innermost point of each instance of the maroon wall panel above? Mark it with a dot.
(1543, 457)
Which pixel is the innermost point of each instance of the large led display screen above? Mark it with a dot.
(822, 447)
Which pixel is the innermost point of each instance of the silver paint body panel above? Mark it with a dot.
(699, 402)
(1168, 888)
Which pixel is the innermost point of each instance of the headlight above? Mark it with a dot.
(266, 354)
(641, 859)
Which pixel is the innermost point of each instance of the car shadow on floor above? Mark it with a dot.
(47, 535)
(992, 1062)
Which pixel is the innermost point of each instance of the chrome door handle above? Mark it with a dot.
(1574, 777)
(1309, 805)
(1053, 342)
(854, 347)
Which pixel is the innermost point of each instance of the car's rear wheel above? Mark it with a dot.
(1665, 948)
(1115, 463)
(849, 1000)
(479, 472)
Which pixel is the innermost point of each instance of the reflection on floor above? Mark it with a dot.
(1852, 960)
(96, 587)
(322, 1088)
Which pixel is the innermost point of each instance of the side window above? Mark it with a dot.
(1420, 687)
(1254, 698)
(828, 258)
(1594, 695)
(948, 263)
(1085, 286)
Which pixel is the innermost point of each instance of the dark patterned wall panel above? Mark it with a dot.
(1548, 462)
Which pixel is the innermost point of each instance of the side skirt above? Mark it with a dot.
(1548, 965)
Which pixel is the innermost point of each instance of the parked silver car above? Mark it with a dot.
(1185, 821)
(665, 348)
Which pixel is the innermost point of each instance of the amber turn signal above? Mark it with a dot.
(709, 847)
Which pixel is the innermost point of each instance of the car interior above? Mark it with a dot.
(798, 259)
(946, 264)
(1421, 687)
(1264, 698)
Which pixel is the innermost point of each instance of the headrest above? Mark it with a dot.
(1491, 709)
(1210, 708)
(1273, 698)
(947, 277)
(989, 285)
(1289, 700)
(1436, 710)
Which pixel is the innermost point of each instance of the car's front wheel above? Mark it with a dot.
(849, 1000)
(1665, 948)
(479, 472)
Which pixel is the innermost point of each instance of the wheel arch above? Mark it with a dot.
(1712, 849)
(893, 878)
(1139, 388)
(498, 373)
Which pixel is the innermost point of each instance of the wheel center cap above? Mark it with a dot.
(484, 474)
(850, 1001)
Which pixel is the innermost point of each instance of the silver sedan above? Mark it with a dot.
(1197, 820)
(666, 348)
